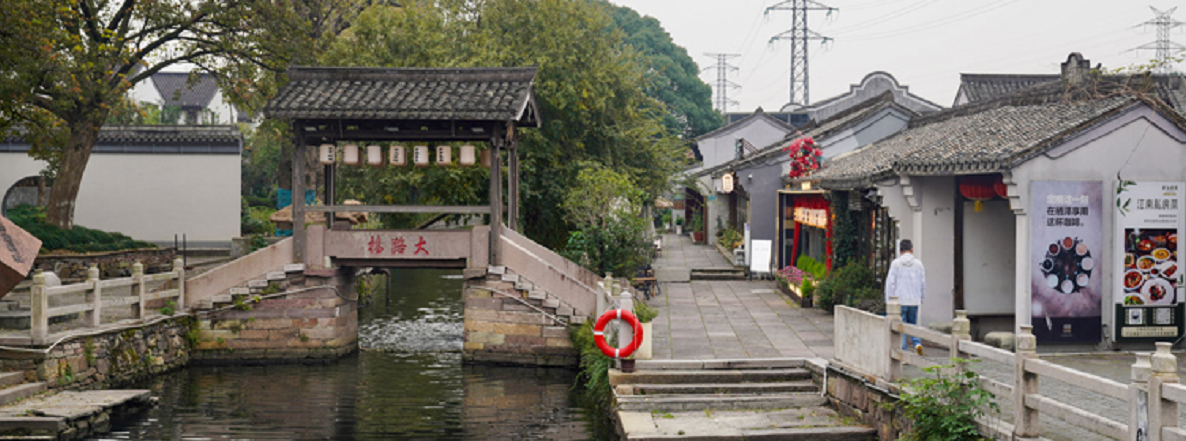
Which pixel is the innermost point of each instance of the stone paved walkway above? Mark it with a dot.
(704, 320)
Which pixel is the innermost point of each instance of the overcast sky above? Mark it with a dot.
(925, 44)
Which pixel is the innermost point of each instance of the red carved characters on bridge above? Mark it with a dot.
(420, 247)
(398, 246)
(375, 246)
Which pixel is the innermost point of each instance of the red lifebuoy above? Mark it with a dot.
(599, 333)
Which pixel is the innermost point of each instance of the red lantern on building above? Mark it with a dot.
(977, 189)
(1000, 188)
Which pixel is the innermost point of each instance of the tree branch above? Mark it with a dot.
(88, 16)
(123, 15)
(143, 52)
(157, 67)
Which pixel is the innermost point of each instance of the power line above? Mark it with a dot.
(798, 35)
(1163, 47)
(722, 83)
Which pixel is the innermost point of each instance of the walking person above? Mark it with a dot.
(907, 280)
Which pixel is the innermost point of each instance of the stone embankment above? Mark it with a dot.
(510, 320)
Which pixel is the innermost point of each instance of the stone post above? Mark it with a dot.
(94, 317)
(893, 315)
(625, 331)
(1162, 413)
(1025, 420)
(138, 288)
(179, 272)
(1138, 398)
(961, 330)
(39, 303)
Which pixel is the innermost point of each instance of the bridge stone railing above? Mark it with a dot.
(564, 278)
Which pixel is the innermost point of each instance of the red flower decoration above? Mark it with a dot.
(805, 157)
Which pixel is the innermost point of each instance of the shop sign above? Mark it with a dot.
(812, 217)
(1148, 283)
(1066, 255)
(727, 183)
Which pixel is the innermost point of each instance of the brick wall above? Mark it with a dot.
(308, 321)
(512, 330)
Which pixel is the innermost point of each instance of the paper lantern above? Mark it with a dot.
(486, 158)
(444, 155)
(420, 156)
(977, 189)
(727, 183)
(466, 156)
(397, 156)
(327, 155)
(1000, 188)
(350, 154)
(374, 156)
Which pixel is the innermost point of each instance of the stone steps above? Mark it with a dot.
(722, 388)
(19, 392)
(709, 376)
(9, 379)
(718, 274)
(667, 403)
(533, 295)
(281, 277)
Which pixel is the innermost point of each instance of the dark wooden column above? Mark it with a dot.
(298, 195)
(513, 184)
(957, 292)
(495, 199)
(328, 193)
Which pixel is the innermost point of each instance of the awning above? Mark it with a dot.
(18, 249)
(663, 204)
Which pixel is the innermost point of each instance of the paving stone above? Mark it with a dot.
(497, 269)
(276, 276)
(258, 283)
(294, 268)
(240, 291)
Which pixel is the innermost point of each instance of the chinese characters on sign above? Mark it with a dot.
(398, 246)
(1066, 210)
(1065, 276)
(1147, 286)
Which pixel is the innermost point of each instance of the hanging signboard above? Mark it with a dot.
(812, 216)
(1066, 254)
(1147, 286)
(727, 183)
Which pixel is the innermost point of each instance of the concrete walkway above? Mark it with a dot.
(705, 320)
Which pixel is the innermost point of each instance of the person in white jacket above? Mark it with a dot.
(907, 280)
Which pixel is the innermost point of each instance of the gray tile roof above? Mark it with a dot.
(974, 139)
(981, 87)
(758, 114)
(473, 94)
(176, 90)
(151, 139)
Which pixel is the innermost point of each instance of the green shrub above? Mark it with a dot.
(644, 312)
(817, 269)
(731, 239)
(807, 289)
(853, 285)
(170, 308)
(945, 406)
(78, 239)
(594, 366)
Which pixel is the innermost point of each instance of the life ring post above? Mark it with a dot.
(599, 333)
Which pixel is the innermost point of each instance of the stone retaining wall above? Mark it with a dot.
(307, 321)
(73, 268)
(504, 330)
(855, 397)
(111, 359)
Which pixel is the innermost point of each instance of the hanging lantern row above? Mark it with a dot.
(982, 188)
(351, 154)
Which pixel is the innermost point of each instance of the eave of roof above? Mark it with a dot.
(758, 114)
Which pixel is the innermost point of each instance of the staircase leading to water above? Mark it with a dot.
(728, 400)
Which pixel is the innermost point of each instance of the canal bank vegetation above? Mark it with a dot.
(77, 239)
(945, 403)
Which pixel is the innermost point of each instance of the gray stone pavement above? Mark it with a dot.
(728, 319)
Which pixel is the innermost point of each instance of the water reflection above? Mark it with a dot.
(407, 383)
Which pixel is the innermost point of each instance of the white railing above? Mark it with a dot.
(1156, 417)
(92, 297)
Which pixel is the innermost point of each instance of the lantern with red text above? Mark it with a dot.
(977, 189)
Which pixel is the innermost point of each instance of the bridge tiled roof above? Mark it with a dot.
(472, 94)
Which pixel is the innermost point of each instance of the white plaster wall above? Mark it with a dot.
(875, 128)
(224, 112)
(1139, 145)
(722, 148)
(936, 246)
(989, 258)
(151, 197)
(861, 341)
(145, 92)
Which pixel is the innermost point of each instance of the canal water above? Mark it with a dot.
(407, 382)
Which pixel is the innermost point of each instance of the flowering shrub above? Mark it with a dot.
(804, 156)
(793, 276)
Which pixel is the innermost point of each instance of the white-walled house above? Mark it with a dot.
(199, 101)
(149, 182)
(1056, 169)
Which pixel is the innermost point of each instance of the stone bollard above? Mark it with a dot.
(138, 289)
(94, 317)
(1138, 398)
(179, 272)
(39, 305)
(961, 330)
(1025, 420)
(893, 315)
(1164, 370)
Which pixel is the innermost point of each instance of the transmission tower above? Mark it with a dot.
(722, 83)
(1163, 47)
(798, 35)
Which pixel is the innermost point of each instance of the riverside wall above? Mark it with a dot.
(514, 329)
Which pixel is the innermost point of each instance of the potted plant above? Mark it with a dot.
(645, 314)
(697, 227)
(679, 226)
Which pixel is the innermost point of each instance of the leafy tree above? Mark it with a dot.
(80, 57)
(611, 236)
(589, 91)
(672, 76)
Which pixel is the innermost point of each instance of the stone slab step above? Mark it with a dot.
(723, 388)
(732, 275)
(667, 403)
(8, 379)
(20, 392)
(737, 363)
(810, 423)
(715, 376)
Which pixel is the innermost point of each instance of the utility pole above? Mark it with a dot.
(722, 83)
(1163, 47)
(798, 35)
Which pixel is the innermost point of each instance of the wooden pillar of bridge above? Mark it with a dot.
(513, 184)
(495, 198)
(298, 195)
